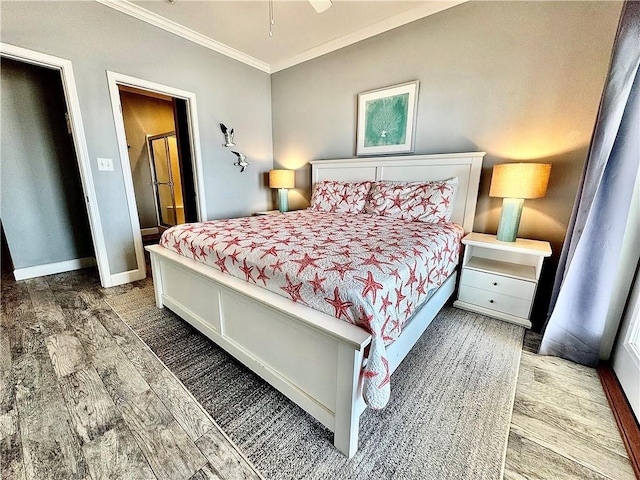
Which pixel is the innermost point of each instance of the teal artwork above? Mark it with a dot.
(386, 121)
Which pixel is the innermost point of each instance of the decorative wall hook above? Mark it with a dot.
(242, 161)
(228, 136)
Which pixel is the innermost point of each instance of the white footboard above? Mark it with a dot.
(312, 358)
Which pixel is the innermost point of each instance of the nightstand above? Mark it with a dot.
(499, 279)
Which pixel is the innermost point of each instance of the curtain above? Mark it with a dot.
(588, 262)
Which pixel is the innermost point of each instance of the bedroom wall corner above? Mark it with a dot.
(519, 80)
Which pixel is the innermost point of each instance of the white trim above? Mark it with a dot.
(632, 339)
(127, 178)
(149, 231)
(114, 79)
(128, 277)
(184, 32)
(53, 268)
(382, 26)
(80, 143)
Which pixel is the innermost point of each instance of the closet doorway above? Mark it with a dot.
(129, 95)
(49, 208)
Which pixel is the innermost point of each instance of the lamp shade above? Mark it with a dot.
(281, 179)
(520, 180)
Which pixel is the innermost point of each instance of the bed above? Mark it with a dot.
(315, 359)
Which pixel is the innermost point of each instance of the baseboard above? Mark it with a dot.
(627, 424)
(53, 268)
(149, 231)
(127, 277)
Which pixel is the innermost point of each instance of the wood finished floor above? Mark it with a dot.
(562, 426)
(82, 397)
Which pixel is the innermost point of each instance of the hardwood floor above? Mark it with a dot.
(562, 426)
(82, 397)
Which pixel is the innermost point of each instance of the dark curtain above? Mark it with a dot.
(591, 251)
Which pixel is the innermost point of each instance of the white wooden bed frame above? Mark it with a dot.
(314, 359)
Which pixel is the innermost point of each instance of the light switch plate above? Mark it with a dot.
(105, 164)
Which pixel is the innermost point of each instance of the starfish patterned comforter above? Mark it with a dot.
(369, 270)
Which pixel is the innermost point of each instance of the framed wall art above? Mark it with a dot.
(386, 120)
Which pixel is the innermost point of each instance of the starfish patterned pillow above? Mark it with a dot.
(430, 202)
(340, 197)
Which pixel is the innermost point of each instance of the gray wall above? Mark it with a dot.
(41, 205)
(519, 80)
(96, 39)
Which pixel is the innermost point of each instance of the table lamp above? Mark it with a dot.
(282, 180)
(515, 182)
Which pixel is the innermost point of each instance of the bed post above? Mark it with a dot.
(347, 416)
(156, 274)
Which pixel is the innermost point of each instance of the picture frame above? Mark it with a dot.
(386, 120)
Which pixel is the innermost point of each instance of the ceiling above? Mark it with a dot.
(240, 29)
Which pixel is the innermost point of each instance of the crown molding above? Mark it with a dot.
(372, 30)
(172, 27)
(377, 28)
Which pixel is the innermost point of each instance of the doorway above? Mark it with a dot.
(46, 227)
(74, 124)
(159, 148)
(157, 160)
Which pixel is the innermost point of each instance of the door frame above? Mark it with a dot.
(79, 141)
(631, 341)
(114, 79)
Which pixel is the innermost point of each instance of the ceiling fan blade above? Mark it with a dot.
(320, 5)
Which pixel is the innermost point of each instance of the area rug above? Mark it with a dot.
(448, 417)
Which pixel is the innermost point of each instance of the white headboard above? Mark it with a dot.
(414, 168)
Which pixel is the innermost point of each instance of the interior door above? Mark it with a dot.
(626, 361)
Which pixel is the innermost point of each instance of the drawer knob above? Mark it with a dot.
(490, 301)
(495, 284)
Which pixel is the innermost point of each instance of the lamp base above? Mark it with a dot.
(510, 219)
(283, 200)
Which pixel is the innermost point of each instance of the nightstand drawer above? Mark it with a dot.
(498, 284)
(495, 301)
